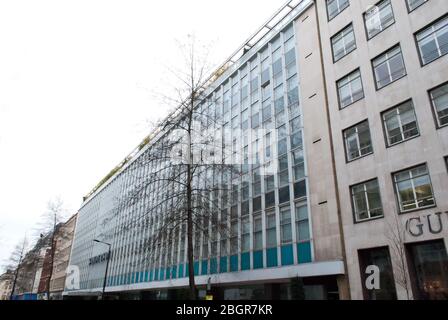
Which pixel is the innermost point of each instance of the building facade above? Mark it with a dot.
(6, 281)
(63, 243)
(386, 86)
(341, 97)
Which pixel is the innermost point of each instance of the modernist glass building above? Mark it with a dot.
(258, 100)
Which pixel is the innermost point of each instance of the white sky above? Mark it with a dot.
(76, 83)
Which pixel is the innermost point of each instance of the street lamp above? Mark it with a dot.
(107, 265)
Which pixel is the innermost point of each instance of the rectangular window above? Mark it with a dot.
(245, 234)
(234, 237)
(358, 142)
(258, 232)
(366, 201)
(350, 89)
(433, 41)
(298, 164)
(302, 224)
(439, 101)
(343, 43)
(378, 257)
(400, 123)
(271, 230)
(285, 225)
(414, 4)
(388, 67)
(414, 189)
(334, 7)
(446, 162)
(378, 18)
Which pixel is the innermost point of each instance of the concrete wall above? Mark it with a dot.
(317, 141)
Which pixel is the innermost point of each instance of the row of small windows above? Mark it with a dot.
(432, 41)
(384, 8)
(400, 124)
(413, 189)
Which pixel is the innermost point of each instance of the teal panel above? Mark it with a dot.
(196, 268)
(234, 263)
(223, 264)
(213, 266)
(271, 257)
(287, 255)
(146, 276)
(181, 271)
(168, 273)
(245, 261)
(258, 259)
(304, 252)
(187, 269)
(151, 275)
(204, 267)
(156, 275)
(174, 272)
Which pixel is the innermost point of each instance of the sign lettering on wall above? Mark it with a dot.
(427, 224)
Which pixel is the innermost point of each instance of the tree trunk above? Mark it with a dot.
(193, 289)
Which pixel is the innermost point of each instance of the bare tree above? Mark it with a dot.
(396, 234)
(186, 158)
(15, 262)
(50, 221)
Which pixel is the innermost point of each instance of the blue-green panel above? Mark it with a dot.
(213, 266)
(258, 259)
(245, 261)
(223, 264)
(136, 277)
(271, 257)
(156, 275)
(181, 271)
(187, 269)
(168, 273)
(196, 268)
(162, 274)
(146, 276)
(304, 252)
(174, 272)
(287, 255)
(233, 263)
(128, 280)
(151, 275)
(204, 267)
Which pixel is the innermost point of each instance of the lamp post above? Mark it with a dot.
(107, 266)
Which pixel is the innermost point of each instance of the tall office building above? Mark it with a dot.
(349, 101)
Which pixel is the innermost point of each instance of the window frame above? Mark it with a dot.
(337, 89)
(335, 35)
(384, 53)
(355, 220)
(347, 160)
(385, 132)
(412, 10)
(384, 29)
(445, 159)
(328, 13)
(397, 199)
(422, 64)
(433, 107)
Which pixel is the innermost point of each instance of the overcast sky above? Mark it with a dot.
(76, 89)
